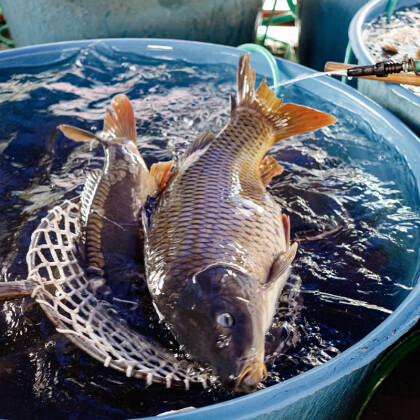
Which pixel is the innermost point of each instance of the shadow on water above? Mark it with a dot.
(350, 195)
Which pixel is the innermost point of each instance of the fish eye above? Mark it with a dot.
(225, 320)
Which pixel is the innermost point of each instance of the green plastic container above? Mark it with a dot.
(230, 22)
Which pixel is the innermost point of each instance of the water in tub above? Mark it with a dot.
(352, 201)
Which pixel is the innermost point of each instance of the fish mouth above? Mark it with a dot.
(251, 375)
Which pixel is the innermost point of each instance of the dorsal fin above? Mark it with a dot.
(119, 121)
(160, 172)
(286, 120)
(199, 143)
(195, 149)
(269, 168)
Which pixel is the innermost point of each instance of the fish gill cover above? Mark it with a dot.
(351, 198)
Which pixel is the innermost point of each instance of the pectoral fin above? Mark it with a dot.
(160, 172)
(269, 168)
(286, 227)
(281, 264)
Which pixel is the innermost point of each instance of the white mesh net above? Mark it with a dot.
(66, 295)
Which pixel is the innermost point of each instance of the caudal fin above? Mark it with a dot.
(119, 121)
(288, 119)
(119, 124)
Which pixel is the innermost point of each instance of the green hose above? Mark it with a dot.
(292, 7)
(3, 39)
(416, 65)
(389, 362)
(283, 18)
(268, 21)
(274, 20)
(270, 59)
(277, 20)
(390, 9)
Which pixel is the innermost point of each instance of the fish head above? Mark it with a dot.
(219, 318)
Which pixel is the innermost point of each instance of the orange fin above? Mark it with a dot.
(160, 172)
(269, 168)
(286, 226)
(120, 122)
(286, 120)
(282, 263)
(77, 134)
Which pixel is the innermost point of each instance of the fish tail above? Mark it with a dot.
(119, 120)
(119, 125)
(286, 120)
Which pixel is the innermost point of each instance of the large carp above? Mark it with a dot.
(217, 245)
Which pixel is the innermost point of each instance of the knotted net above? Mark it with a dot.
(65, 293)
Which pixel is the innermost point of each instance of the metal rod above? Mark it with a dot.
(398, 78)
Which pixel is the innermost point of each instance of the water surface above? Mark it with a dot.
(352, 200)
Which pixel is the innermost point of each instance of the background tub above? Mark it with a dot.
(400, 101)
(331, 390)
(230, 22)
(323, 30)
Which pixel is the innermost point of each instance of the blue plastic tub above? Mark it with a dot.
(399, 100)
(331, 390)
(230, 22)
